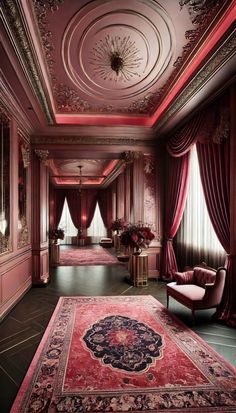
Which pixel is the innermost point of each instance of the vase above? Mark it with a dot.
(137, 251)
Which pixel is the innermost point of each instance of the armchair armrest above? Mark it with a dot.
(214, 291)
(184, 277)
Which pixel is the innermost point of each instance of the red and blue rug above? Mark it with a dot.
(124, 354)
(86, 256)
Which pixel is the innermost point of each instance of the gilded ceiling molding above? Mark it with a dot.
(52, 5)
(224, 53)
(91, 140)
(42, 154)
(67, 99)
(4, 117)
(131, 156)
(12, 12)
(201, 18)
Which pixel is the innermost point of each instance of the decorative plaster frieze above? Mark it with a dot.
(131, 156)
(12, 12)
(68, 100)
(42, 154)
(91, 140)
(224, 53)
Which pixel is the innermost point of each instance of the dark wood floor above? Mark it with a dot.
(22, 330)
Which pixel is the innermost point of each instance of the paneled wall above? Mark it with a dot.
(138, 196)
(15, 213)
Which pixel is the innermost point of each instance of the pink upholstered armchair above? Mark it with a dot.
(198, 289)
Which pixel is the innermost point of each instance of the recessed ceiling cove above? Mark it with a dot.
(108, 51)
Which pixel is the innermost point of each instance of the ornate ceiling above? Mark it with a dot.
(111, 72)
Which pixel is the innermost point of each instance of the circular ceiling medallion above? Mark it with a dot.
(114, 52)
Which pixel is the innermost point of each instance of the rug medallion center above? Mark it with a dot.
(124, 343)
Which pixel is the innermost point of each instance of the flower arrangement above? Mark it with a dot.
(117, 224)
(56, 233)
(137, 236)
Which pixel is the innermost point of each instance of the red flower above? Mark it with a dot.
(136, 236)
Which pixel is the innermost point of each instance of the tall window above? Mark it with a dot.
(196, 240)
(66, 223)
(97, 228)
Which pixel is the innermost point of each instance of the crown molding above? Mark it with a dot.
(224, 53)
(18, 34)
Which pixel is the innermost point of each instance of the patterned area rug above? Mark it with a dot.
(86, 256)
(124, 354)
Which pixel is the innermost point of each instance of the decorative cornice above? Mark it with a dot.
(90, 140)
(16, 26)
(4, 117)
(224, 53)
(42, 154)
(131, 156)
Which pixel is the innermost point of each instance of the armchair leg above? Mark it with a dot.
(167, 300)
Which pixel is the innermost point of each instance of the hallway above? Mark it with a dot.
(22, 330)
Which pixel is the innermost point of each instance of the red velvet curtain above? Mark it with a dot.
(82, 206)
(57, 199)
(88, 205)
(214, 170)
(59, 203)
(105, 205)
(182, 141)
(74, 204)
(214, 163)
(177, 188)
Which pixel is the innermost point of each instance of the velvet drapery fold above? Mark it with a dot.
(178, 178)
(178, 148)
(74, 204)
(82, 207)
(214, 164)
(211, 132)
(57, 199)
(182, 142)
(88, 205)
(105, 205)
